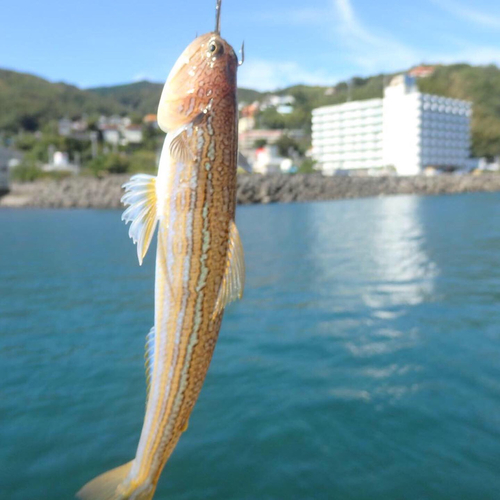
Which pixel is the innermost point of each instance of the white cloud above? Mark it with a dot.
(365, 49)
(368, 51)
(483, 19)
(351, 26)
(371, 51)
(374, 52)
(262, 74)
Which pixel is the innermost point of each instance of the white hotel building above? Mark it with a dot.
(405, 130)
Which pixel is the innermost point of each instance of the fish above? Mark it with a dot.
(200, 266)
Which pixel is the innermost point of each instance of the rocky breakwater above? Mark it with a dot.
(312, 187)
(89, 192)
(72, 192)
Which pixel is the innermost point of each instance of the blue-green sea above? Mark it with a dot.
(362, 363)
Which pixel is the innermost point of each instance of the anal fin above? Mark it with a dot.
(150, 358)
(234, 276)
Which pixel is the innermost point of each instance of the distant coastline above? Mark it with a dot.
(90, 192)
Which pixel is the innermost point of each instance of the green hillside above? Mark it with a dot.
(140, 97)
(248, 95)
(28, 102)
(481, 85)
(143, 97)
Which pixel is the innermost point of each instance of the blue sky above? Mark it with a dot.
(104, 42)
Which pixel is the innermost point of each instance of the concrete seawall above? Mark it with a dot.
(89, 192)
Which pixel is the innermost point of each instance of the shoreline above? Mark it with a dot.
(90, 192)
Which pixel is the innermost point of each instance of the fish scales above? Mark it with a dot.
(199, 260)
(211, 213)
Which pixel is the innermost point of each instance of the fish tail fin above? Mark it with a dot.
(109, 486)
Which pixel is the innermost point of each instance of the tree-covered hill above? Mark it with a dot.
(143, 97)
(140, 97)
(28, 102)
(248, 95)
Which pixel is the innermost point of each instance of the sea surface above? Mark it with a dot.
(362, 363)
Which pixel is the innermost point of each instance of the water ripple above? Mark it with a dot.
(363, 362)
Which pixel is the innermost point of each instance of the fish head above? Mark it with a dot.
(202, 77)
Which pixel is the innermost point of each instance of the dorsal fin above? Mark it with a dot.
(140, 194)
(149, 357)
(243, 163)
(234, 276)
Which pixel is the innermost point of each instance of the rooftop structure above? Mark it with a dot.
(247, 117)
(405, 131)
(422, 71)
(151, 120)
(250, 110)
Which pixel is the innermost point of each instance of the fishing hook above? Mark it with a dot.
(217, 17)
(242, 52)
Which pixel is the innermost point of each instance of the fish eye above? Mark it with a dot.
(215, 48)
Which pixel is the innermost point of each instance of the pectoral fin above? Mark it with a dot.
(180, 149)
(234, 276)
(140, 194)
